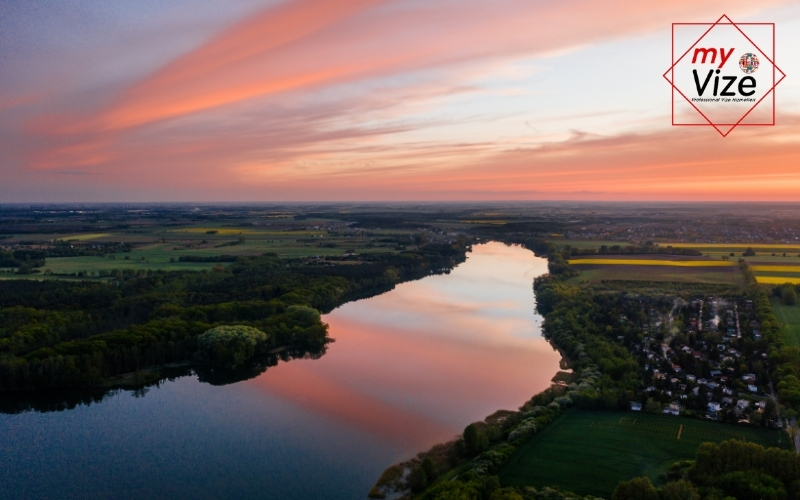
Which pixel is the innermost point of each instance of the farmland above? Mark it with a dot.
(159, 246)
(590, 452)
(771, 273)
(782, 253)
(768, 270)
(783, 247)
(775, 268)
(789, 316)
(653, 262)
(725, 275)
(680, 269)
(778, 280)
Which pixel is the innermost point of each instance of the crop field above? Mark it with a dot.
(158, 247)
(718, 275)
(776, 273)
(603, 448)
(791, 259)
(778, 280)
(679, 269)
(789, 316)
(86, 237)
(775, 268)
(783, 247)
(653, 262)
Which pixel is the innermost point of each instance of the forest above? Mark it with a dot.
(59, 334)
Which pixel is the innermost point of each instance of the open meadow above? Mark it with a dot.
(589, 452)
(789, 316)
(664, 268)
(153, 246)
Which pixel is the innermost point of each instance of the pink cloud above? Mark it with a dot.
(238, 117)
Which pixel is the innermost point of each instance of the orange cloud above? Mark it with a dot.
(241, 116)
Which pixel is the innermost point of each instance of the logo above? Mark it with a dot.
(707, 88)
(748, 63)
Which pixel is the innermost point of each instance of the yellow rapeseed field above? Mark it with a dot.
(773, 269)
(84, 237)
(777, 280)
(653, 262)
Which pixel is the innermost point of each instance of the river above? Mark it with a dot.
(409, 368)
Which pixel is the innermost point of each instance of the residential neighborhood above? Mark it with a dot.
(705, 358)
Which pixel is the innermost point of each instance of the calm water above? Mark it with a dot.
(409, 368)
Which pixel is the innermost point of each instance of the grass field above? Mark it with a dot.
(789, 316)
(764, 251)
(716, 275)
(653, 262)
(157, 247)
(783, 247)
(588, 453)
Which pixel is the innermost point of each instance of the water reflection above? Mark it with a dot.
(61, 400)
(415, 365)
(409, 368)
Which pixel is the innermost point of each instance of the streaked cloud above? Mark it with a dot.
(315, 99)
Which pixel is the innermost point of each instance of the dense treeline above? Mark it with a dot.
(731, 469)
(584, 326)
(36, 257)
(20, 258)
(632, 250)
(77, 334)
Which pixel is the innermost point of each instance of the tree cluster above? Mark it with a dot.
(57, 334)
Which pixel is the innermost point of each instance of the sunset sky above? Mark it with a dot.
(373, 100)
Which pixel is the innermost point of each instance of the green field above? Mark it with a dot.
(587, 243)
(589, 452)
(764, 252)
(596, 274)
(789, 316)
(159, 247)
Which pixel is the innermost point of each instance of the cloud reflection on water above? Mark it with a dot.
(415, 365)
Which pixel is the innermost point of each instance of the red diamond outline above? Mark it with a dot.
(772, 91)
(774, 66)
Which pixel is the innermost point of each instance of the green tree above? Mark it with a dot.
(417, 480)
(753, 485)
(639, 488)
(474, 440)
(429, 468)
(679, 490)
(229, 345)
(506, 494)
(788, 294)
